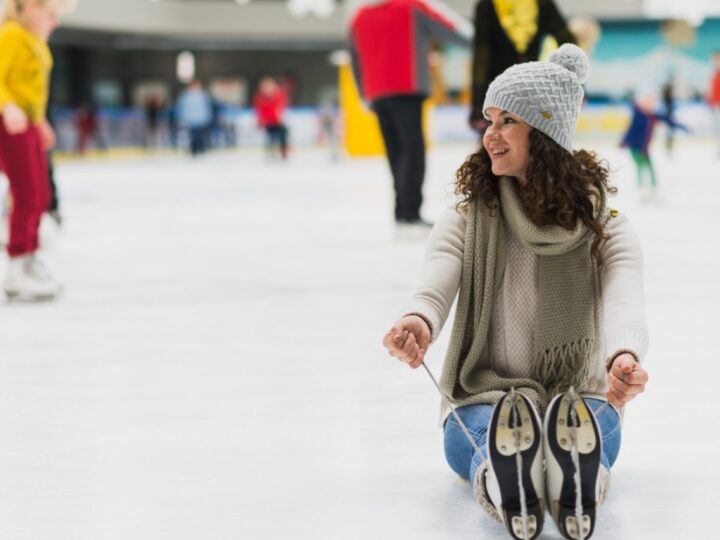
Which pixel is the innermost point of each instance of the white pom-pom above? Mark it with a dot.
(572, 58)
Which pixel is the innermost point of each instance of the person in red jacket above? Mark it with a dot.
(389, 44)
(713, 97)
(270, 103)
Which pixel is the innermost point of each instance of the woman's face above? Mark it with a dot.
(507, 142)
(39, 19)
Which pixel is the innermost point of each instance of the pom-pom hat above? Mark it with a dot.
(546, 95)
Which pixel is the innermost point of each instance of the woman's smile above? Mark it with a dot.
(507, 142)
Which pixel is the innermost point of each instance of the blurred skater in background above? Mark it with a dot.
(25, 137)
(639, 134)
(668, 103)
(194, 113)
(270, 103)
(87, 124)
(329, 132)
(390, 41)
(152, 108)
(713, 96)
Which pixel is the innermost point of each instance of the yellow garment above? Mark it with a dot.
(25, 63)
(519, 20)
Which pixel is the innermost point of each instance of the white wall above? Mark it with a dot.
(265, 20)
(262, 20)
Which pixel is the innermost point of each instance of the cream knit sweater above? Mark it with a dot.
(621, 324)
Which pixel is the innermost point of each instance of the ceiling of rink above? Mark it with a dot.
(253, 22)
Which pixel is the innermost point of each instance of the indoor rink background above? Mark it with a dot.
(214, 368)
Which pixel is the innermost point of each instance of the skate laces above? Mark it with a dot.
(452, 409)
(516, 434)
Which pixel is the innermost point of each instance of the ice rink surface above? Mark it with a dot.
(214, 370)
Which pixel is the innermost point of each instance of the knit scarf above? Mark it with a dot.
(565, 326)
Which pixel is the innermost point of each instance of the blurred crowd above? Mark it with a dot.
(195, 122)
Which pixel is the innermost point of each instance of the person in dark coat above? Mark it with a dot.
(509, 32)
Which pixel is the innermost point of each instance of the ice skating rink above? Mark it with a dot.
(214, 370)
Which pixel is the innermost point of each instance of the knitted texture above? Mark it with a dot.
(565, 325)
(546, 95)
(513, 317)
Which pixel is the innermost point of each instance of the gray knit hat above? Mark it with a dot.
(547, 95)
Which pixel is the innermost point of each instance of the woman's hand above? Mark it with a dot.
(47, 135)
(14, 119)
(626, 379)
(408, 340)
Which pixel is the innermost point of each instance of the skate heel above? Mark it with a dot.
(513, 444)
(574, 446)
(568, 523)
(534, 523)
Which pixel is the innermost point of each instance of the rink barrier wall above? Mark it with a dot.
(125, 128)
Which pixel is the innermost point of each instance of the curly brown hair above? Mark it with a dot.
(560, 188)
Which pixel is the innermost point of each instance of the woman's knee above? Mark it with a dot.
(458, 452)
(610, 428)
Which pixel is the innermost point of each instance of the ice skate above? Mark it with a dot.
(56, 217)
(573, 446)
(29, 281)
(410, 230)
(513, 480)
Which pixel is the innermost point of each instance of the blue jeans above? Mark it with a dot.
(463, 459)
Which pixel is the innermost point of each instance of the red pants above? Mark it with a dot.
(25, 164)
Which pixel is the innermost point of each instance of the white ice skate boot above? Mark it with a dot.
(576, 482)
(28, 280)
(510, 485)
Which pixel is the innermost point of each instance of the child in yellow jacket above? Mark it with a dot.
(25, 137)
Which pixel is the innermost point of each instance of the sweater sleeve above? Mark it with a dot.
(440, 275)
(9, 49)
(621, 281)
(671, 123)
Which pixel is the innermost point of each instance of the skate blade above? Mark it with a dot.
(16, 297)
